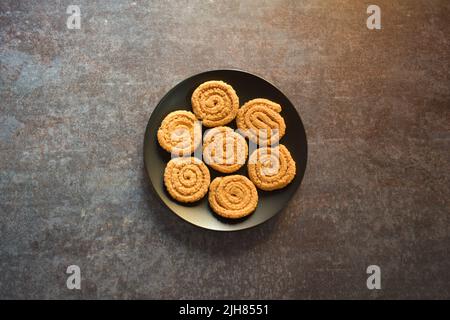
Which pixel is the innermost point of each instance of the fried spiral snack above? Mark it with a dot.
(215, 103)
(233, 196)
(180, 133)
(224, 150)
(260, 121)
(186, 179)
(271, 168)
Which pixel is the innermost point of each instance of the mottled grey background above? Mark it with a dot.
(74, 105)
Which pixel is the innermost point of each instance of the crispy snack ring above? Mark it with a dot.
(224, 150)
(233, 196)
(271, 168)
(186, 179)
(180, 133)
(260, 121)
(215, 103)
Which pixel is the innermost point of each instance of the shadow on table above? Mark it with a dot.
(196, 238)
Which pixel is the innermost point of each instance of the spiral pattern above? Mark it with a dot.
(233, 196)
(260, 120)
(271, 168)
(180, 133)
(224, 150)
(186, 179)
(215, 103)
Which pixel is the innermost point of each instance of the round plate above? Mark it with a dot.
(247, 87)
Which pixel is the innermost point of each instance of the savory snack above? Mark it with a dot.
(180, 133)
(224, 149)
(233, 196)
(186, 179)
(215, 103)
(271, 168)
(260, 121)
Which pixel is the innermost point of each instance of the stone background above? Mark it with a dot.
(73, 109)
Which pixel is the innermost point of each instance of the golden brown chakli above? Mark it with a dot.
(260, 121)
(180, 133)
(186, 179)
(215, 103)
(233, 196)
(224, 149)
(271, 168)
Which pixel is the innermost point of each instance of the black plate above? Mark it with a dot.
(247, 87)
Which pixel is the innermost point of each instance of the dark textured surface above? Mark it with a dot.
(74, 105)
